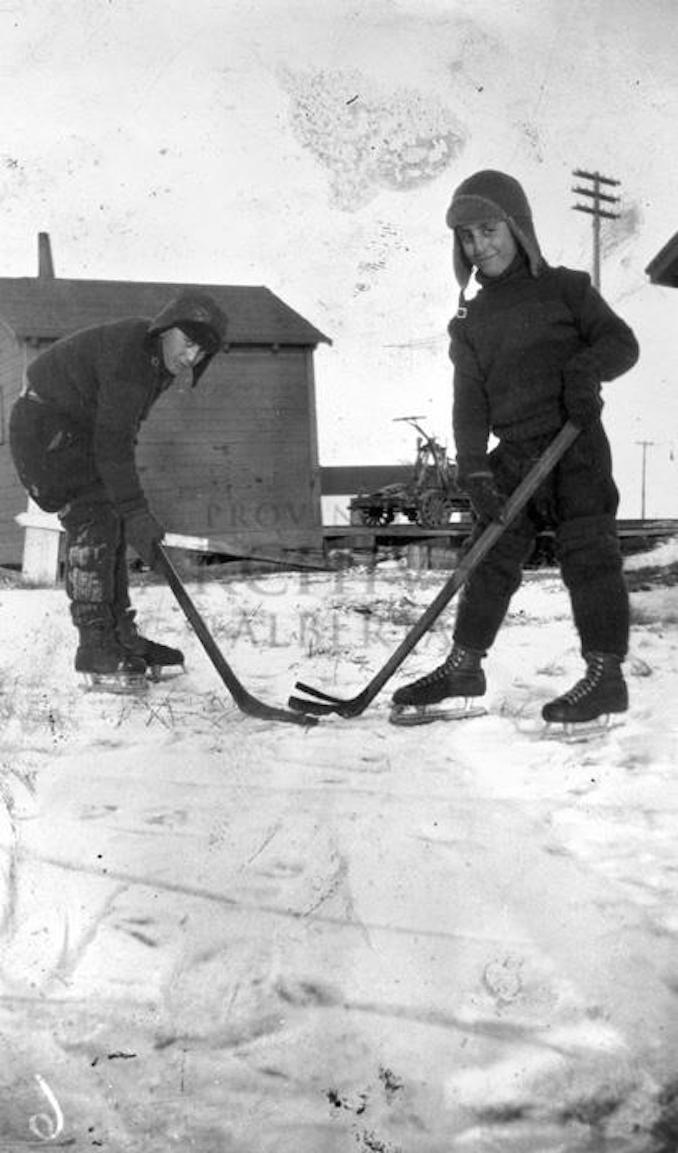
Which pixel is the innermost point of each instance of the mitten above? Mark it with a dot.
(144, 533)
(581, 396)
(487, 501)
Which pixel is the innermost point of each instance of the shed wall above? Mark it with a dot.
(236, 458)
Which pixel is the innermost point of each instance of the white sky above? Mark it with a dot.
(313, 146)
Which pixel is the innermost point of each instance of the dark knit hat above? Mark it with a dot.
(492, 195)
(201, 334)
(198, 316)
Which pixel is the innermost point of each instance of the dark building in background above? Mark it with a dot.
(663, 269)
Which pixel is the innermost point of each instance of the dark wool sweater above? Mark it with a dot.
(510, 345)
(104, 380)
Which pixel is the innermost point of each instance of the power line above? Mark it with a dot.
(596, 210)
(645, 444)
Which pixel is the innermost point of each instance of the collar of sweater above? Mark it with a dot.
(518, 269)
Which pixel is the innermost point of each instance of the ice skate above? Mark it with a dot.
(448, 693)
(586, 709)
(159, 659)
(104, 664)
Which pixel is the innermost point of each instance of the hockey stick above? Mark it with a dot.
(243, 699)
(324, 703)
(210, 544)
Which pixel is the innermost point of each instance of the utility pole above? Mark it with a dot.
(644, 444)
(596, 210)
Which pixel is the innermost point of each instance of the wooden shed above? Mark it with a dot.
(235, 459)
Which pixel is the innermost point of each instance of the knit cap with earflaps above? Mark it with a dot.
(198, 315)
(202, 321)
(492, 195)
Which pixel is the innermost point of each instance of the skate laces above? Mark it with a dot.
(590, 681)
(454, 664)
(433, 678)
(462, 660)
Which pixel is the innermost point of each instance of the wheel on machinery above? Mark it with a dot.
(434, 509)
(377, 516)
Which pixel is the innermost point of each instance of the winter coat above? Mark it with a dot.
(99, 385)
(510, 345)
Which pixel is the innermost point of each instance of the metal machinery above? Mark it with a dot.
(428, 498)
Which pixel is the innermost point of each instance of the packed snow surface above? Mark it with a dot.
(231, 935)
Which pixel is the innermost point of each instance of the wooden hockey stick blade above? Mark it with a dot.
(322, 704)
(313, 708)
(209, 544)
(243, 699)
(518, 499)
(317, 693)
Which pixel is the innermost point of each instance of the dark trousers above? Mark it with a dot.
(579, 501)
(55, 463)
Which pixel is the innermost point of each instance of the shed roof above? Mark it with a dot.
(663, 269)
(48, 307)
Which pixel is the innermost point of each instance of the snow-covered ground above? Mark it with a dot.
(234, 936)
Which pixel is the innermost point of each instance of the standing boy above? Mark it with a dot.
(73, 435)
(530, 350)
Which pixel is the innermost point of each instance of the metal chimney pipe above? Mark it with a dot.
(45, 262)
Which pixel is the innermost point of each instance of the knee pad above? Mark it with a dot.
(92, 538)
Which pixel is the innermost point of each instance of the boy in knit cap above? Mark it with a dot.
(530, 350)
(72, 435)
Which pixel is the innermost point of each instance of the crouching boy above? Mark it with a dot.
(73, 434)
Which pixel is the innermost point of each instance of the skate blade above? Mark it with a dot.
(155, 673)
(571, 733)
(426, 714)
(129, 684)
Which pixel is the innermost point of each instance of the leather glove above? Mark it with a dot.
(487, 501)
(144, 533)
(581, 396)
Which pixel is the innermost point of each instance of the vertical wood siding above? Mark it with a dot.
(236, 458)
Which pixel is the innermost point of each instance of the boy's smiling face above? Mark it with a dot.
(489, 245)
